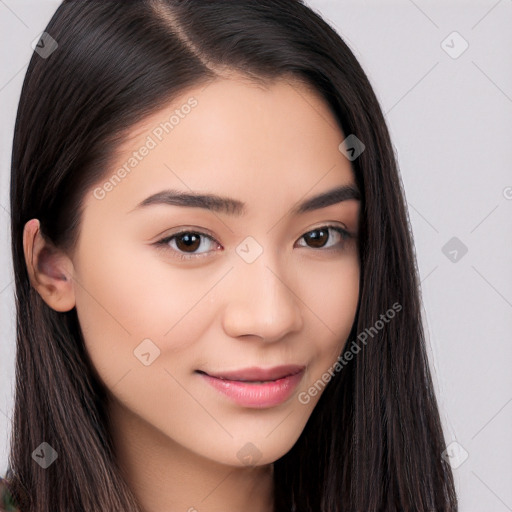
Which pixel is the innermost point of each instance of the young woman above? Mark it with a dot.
(217, 298)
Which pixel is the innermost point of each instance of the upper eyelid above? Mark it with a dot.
(206, 234)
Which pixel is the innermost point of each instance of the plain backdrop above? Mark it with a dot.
(442, 71)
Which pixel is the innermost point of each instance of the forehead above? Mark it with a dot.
(220, 109)
(277, 141)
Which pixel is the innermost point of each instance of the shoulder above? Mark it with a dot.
(7, 503)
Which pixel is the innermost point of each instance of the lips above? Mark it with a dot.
(256, 388)
(255, 374)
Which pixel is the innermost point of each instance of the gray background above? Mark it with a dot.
(451, 123)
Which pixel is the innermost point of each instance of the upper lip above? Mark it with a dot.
(255, 373)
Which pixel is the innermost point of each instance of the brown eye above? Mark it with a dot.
(188, 241)
(185, 244)
(317, 238)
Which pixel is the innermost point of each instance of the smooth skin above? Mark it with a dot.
(177, 438)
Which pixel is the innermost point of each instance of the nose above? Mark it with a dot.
(262, 301)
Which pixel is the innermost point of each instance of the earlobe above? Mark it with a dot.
(49, 269)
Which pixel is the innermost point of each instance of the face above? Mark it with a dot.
(181, 304)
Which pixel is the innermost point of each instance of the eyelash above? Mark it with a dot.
(163, 243)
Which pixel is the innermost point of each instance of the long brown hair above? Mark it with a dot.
(374, 441)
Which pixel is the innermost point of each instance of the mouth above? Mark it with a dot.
(256, 387)
(257, 375)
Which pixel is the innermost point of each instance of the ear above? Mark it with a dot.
(49, 269)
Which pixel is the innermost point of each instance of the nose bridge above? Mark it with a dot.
(262, 301)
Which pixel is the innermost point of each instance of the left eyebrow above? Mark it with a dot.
(328, 198)
(237, 208)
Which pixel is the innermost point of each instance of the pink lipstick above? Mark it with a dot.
(257, 387)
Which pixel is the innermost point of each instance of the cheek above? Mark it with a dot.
(333, 299)
(331, 293)
(335, 303)
(131, 297)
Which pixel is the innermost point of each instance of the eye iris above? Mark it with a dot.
(191, 241)
(318, 240)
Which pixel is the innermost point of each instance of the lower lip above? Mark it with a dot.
(265, 394)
